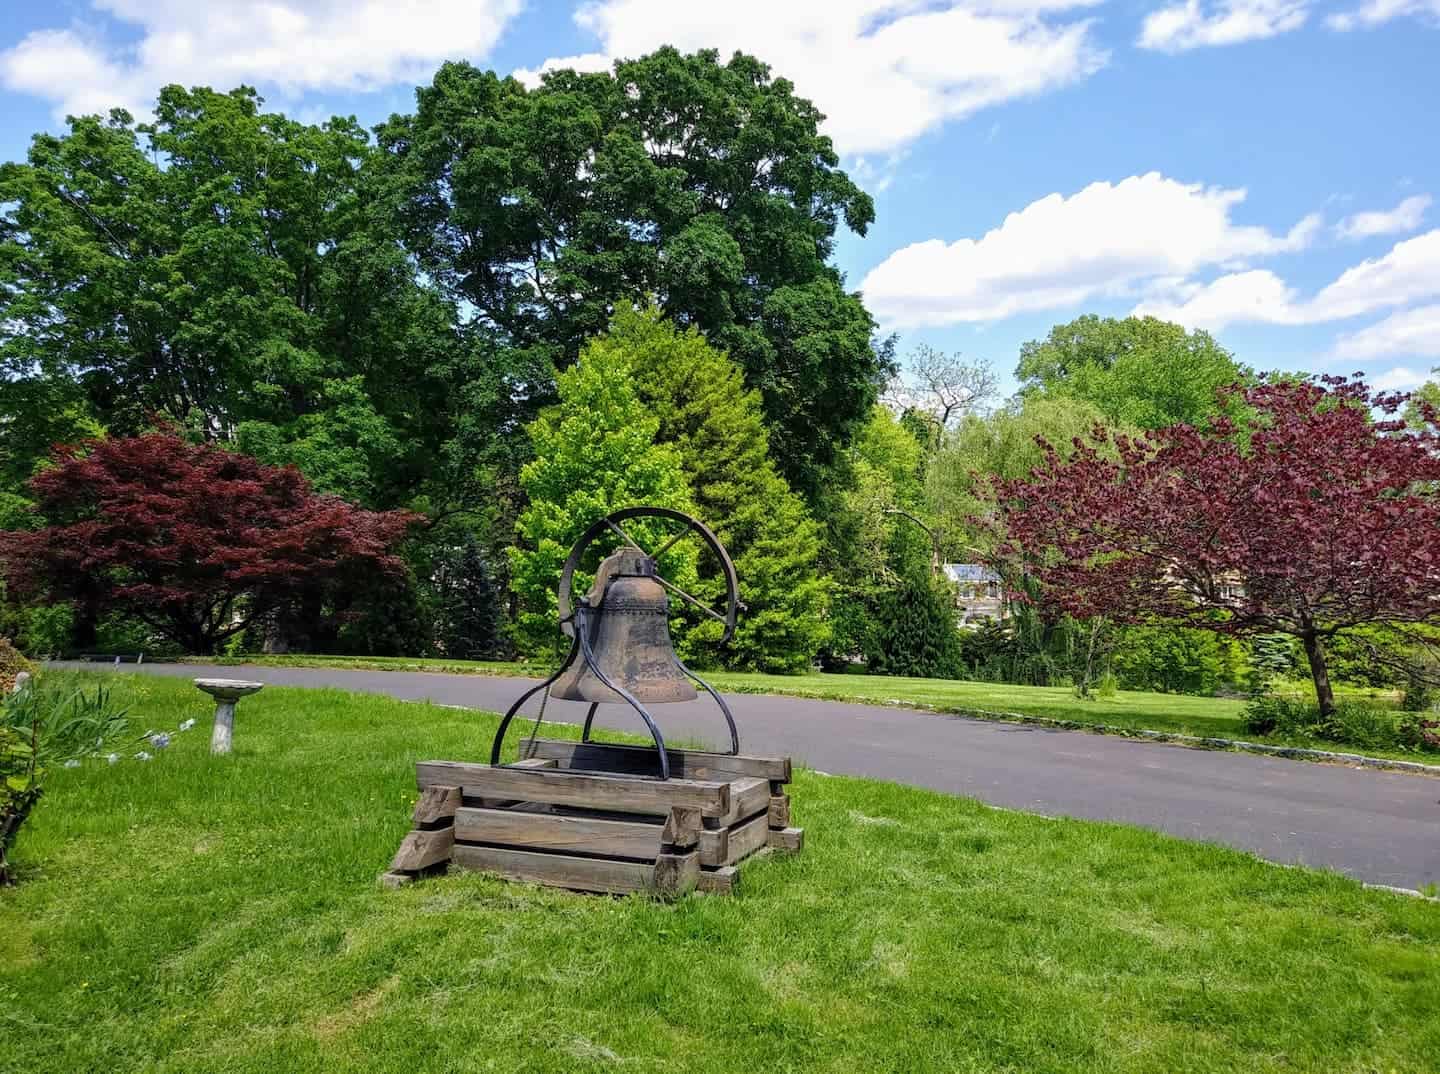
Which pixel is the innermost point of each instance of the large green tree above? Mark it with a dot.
(595, 452)
(703, 184)
(232, 271)
(1138, 371)
(698, 396)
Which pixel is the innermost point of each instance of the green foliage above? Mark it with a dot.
(1138, 371)
(1356, 724)
(704, 183)
(48, 628)
(1176, 660)
(234, 272)
(1272, 656)
(1420, 731)
(915, 633)
(595, 452)
(470, 614)
(702, 407)
(1002, 444)
(43, 725)
(1427, 393)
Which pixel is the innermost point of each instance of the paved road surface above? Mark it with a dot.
(1382, 827)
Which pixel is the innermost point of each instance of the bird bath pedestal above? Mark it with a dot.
(227, 693)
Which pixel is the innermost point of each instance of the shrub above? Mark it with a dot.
(42, 726)
(916, 633)
(1419, 693)
(1420, 731)
(11, 664)
(1173, 660)
(1353, 723)
(48, 628)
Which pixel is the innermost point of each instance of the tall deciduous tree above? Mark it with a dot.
(706, 185)
(1318, 520)
(595, 452)
(232, 271)
(1138, 371)
(703, 408)
(193, 540)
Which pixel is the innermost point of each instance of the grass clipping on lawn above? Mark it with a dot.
(196, 914)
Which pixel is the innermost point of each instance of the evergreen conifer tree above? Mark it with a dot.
(698, 397)
(595, 452)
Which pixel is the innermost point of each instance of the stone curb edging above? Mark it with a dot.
(1295, 753)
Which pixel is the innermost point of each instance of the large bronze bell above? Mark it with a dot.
(628, 627)
(620, 650)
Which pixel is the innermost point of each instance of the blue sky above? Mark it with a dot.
(1260, 168)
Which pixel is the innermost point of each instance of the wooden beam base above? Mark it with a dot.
(553, 819)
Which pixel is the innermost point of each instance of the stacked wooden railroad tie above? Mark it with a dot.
(581, 815)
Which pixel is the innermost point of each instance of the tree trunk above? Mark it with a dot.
(1315, 653)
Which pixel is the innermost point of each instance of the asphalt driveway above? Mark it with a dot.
(1382, 827)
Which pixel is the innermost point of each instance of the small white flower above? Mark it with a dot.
(142, 756)
(160, 740)
(187, 725)
(72, 763)
(112, 757)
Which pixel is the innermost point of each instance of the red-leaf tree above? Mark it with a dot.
(195, 541)
(1318, 514)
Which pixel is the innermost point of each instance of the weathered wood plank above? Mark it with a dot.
(558, 870)
(779, 811)
(747, 838)
(436, 806)
(420, 850)
(721, 881)
(727, 846)
(748, 795)
(643, 760)
(682, 828)
(786, 838)
(563, 787)
(676, 874)
(714, 846)
(550, 831)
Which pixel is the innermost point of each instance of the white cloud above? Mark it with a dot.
(1414, 333)
(1404, 217)
(1409, 273)
(884, 72)
(294, 45)
(1375, 12)
(1105, 240)
(1228, 22)
(1400, 379)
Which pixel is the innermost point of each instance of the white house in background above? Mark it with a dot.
(978, 593)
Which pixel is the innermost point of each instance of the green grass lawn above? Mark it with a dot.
(1128, 710)
(196, 914)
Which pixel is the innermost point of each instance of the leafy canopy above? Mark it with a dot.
(595, 452)
(1320, 520)
(1138, 371)
(227, 269)
(192, 540)
(702, 184)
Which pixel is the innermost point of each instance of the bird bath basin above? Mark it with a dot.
(227, 693)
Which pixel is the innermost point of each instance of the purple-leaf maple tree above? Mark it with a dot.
(195, 541)
(1317, 513)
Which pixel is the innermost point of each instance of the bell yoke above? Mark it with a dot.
(620, 650)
